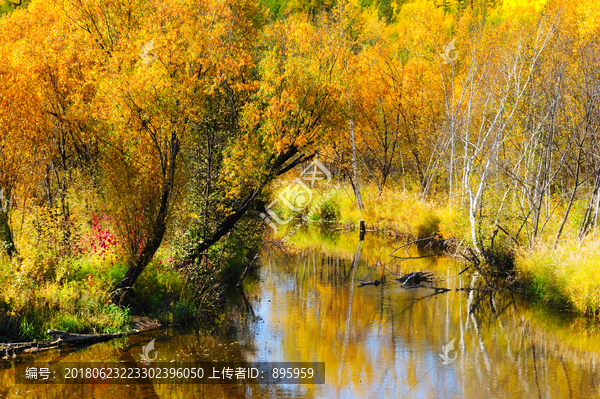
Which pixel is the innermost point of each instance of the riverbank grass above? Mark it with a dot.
(74, 296)
(567, 276)
(398, 211)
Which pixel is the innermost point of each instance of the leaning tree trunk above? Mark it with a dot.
(278, 165)
(150, 247)
(6, 237)
(157, 232)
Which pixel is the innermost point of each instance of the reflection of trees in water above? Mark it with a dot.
(335, 270)
(505, 347)
(376, 341)
(532, 343)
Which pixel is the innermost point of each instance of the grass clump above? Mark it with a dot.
(405, 213)
(567, 276)
(28, 308)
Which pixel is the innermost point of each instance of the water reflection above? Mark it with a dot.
(376, 341)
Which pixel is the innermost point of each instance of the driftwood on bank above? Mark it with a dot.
(11, 350)
(70, 338)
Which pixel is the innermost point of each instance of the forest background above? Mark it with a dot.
(140, 143)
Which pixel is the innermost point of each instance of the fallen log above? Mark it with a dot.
(11, 350)
(70, 338)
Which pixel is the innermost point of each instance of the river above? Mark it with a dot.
(384, 341)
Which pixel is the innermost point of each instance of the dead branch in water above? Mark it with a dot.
(408, 245)
(366, 282)
(413, 280)
(248, 266)
(277, 244)
(411, 257)
(410, 280)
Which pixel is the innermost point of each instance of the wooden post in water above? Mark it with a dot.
(363, 230)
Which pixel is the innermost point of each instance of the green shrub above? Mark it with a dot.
(330, 210)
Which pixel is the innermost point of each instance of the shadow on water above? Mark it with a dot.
(376, 341)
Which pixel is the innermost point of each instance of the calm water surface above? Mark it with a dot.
(376, 342)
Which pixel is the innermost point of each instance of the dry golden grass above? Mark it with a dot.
(568, 275)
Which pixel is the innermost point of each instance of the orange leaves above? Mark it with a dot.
(297, 83)
(119, 86)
